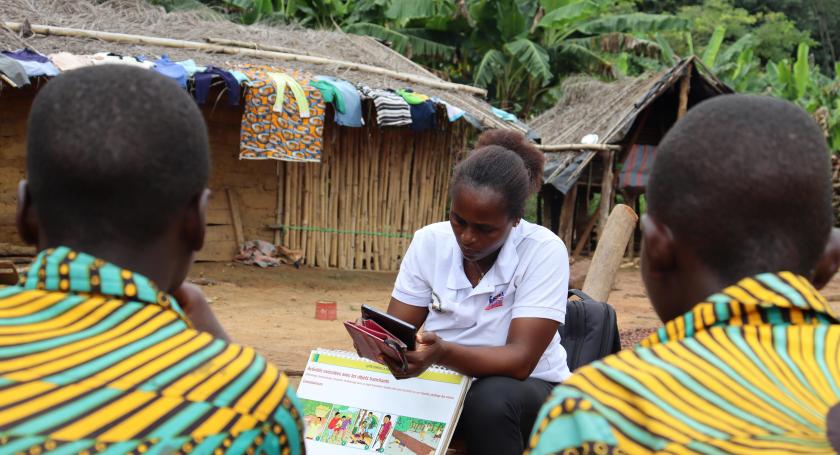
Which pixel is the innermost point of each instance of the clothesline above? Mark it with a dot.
(340, 231)
(183, 44)
(291, 129)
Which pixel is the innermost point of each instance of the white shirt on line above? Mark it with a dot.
(529, 279)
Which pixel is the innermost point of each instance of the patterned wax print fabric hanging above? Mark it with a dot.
(284, 116)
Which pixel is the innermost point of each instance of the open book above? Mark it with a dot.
(351, 404)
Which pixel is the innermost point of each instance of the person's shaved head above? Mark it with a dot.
(743, 185)
(114, 152)
(752, 193)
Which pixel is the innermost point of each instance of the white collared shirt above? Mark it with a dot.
(529, 279)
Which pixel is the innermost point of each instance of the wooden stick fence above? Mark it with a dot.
(359, 207)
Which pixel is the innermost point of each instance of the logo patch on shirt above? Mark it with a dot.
(495, 301)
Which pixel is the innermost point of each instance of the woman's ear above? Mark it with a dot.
(658, 250)
(25, 218)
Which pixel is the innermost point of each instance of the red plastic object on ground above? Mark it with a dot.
(325, 310)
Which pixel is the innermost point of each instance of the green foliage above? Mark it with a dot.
(801, 71)
(532, 57)
(636, 23)
(710, 54)
(404, 41)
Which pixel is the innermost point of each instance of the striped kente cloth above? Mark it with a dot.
(94, 358)
(754, 369)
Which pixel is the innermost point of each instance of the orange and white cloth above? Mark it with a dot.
(280, 127)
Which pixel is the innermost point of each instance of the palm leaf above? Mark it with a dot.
(562, 16)
(737, 48)
(490, 67)
(689, 41)
(242, 4)
(404, 43)
(745, 62)
(801, 70)
(634, 23)
(410, 9)
(711, 52)
(551, 5)
(510, 21)
(532, 56)
(586, 58)
(667, 51)
(615, 43)
(422, 45)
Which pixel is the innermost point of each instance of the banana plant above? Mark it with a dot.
(791, 81)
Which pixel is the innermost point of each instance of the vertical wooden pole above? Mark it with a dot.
(567, 216)
(236, 215)
(606, 191)
(685, 85)
(281, 174)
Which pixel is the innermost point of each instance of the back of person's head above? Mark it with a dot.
(506, 162)
(114, 152)
(743, 184)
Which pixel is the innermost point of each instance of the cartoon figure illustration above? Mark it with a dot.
(383, 433)
(328, 435)
(314, 425)
(363, 432)
(315, 416)
(342, 433)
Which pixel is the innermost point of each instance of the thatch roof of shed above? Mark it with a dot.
(608, 110)
(141, 18)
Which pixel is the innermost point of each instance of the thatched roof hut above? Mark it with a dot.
(356, 209)
(625, 120)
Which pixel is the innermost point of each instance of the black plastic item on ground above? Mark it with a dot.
(590, 332)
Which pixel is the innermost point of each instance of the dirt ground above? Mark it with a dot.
(273, 310)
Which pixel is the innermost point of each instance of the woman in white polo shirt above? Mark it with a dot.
(491, 289)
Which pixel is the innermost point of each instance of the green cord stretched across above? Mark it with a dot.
(341, 231)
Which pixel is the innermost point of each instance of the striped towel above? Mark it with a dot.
(635, 170)
(391, 109)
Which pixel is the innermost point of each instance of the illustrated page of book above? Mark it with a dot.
(352, 405)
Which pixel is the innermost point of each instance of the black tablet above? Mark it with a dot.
(399, 328)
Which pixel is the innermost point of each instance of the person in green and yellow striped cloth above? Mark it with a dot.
(96, 355)
(748, 360)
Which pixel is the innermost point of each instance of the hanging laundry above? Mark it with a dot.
(473, 121)
(423, 116)
(281, 80)
(411, 97)
(349, 112)
(66, 61)
(109, 58)
(454, 113)
(190, 67)
(26, 55)
(506, 116)
(330, 94)
(285, 134)
(202, 81)
(171, 70)
(13, 72)
(240, 77)
(391, 109)
(33, 63)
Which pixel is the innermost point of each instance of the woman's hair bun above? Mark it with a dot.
(516, 142)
